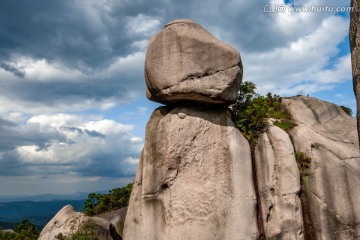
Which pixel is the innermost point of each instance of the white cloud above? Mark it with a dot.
(56, 120)
(121, 74)
(142, 25)
(339, 95)
(340, 71)
(32, 154)
(16, 117)
(42, 70)
(140, 112)
(107, 127)
(125, 67)
(90, 146)
(304, 60)
(140, 45)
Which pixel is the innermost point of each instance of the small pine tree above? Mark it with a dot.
(100, 203)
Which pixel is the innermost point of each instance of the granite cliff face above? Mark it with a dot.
(321, 202)
(278, 181)
(328, 136)
(354, 36)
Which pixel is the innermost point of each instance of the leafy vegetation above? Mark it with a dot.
(100, 203)
(303, 162)
(85, 232)
(252, 112)
(347, 110)
(26, 230)
(7, 225)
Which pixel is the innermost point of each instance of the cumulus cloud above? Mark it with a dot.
(92, 52)
(69, 144)
(141, 25)
(48, 85)
(306, 61)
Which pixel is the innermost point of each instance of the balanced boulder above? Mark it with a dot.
(184, 62)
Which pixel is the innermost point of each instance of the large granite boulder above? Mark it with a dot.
(327, 135)
(67, 222)
(354, 33)
(194, 180)
(184, 62)
(278, 180)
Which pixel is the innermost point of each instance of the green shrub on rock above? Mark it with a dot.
(100, 203)
(252, 112)
(25, 230)
(303, 162)
(85, 232)
(347, 110)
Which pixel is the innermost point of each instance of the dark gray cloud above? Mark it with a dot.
(75, 33)
(40, 149)
(16, 71)
(89, 36)
(70, 31)
(53, 93)
(91, 133)
(13, 135)
(90, 33)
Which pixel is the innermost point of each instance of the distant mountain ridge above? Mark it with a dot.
(38, 212)
(44, 197)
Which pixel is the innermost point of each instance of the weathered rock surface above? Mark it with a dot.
(67, 221)
(354, 33)
(184, 62)
(278, 182)
(328, 135)
(116, 218)
(194, 179)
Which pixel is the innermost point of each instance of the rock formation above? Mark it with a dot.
(355, 53)
(117, 219)
(328, 136)
(278, 180)
(197, 177)
(67, 221)
(185, 62)
(194, 179)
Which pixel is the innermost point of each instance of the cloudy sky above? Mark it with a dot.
(72, 94)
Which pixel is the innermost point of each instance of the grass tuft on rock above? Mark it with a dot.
(303, 162)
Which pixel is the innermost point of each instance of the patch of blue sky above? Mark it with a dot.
(340, 94)
(136, 113)
(343, 50)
